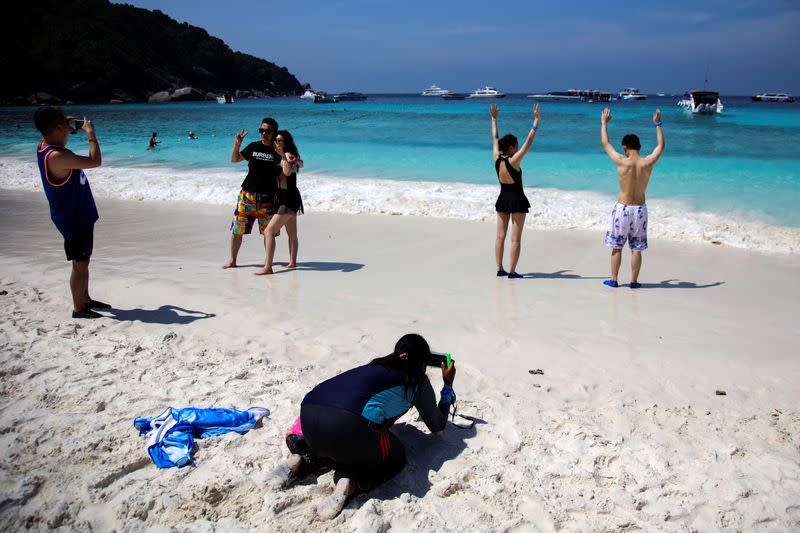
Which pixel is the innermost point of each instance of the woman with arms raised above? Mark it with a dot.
(511, 203)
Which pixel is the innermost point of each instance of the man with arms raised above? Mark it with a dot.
(629, 217)
(71, 202)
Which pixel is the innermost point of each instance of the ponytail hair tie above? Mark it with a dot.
(403, 356)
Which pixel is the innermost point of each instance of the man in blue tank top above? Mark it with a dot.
(71, 202)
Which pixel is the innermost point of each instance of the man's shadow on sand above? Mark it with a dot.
(320, 266)
(666, 284)
(425, 453)
(166, 314)
(675, 284)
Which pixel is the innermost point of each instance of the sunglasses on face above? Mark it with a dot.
(265, 131)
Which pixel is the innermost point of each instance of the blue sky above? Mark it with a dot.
(748, 46)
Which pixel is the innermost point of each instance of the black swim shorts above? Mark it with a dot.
(79, 247)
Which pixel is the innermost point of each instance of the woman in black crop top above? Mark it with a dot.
(511, 205)
(288, 201)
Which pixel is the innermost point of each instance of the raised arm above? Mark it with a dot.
(517, 158)
(62, 161)
(236, 157)
(495, 143)
(605, 118)
(652, 158)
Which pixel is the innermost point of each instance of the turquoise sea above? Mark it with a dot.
(743, 164)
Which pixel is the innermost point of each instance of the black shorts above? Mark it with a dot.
(79, 247)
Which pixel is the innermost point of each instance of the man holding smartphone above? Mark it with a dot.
(72, 206)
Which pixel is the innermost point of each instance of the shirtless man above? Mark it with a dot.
(629, 216)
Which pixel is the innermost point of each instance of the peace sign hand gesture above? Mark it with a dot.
(493, 111)
(240, 136)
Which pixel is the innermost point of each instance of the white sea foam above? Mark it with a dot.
(551, 208)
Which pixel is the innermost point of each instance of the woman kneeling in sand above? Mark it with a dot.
(288, 201)
(511, 203)
(344, 422)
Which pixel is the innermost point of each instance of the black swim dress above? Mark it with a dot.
(512, 198)
(290, 196)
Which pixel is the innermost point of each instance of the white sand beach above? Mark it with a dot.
(623, 430)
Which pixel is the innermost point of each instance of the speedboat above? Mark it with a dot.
(558, 96)
(773, 97)
(573, 95)
(324, 98)
(487, 92)
(349, 97)
(453, 96)
(433, 90)
(226, 99)
(308, 95)
(702, 102)
(631, 93)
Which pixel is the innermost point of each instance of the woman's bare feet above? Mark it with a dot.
(263, 271)
(291, 265)
(334, 503)
(230, 264)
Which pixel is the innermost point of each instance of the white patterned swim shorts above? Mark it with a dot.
(628, 223)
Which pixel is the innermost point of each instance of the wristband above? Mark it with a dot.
(658, 124)
(91, 139)
(535, 128)
(447, 394)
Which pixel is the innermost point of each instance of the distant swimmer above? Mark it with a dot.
(629, 216)
(511, 204)
(153, 142)
(192, 136)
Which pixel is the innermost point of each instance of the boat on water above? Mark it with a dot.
(773, 97)
(349, 97)
(702, 102)
(631, 93)
(324, 98)
(308, 95)
(433, 90)
(453, 96)
(226, 99)
(573, 95)
(487, 92)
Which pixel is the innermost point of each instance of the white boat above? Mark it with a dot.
(487, 92)
(433, 90)
(773, 97)
(226, 99)
(631, 93)
(308, 95)
(702, 102)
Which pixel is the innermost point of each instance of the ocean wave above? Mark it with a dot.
(551, 209)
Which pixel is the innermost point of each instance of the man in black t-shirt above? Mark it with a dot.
(256, 199)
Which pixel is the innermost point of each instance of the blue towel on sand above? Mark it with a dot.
(172, 433)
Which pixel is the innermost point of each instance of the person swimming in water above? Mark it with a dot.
(151, 145)
(511, 204)
(192, 136)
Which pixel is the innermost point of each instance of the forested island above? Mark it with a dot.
(93, 51)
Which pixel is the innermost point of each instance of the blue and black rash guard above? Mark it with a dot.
(379, 395)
